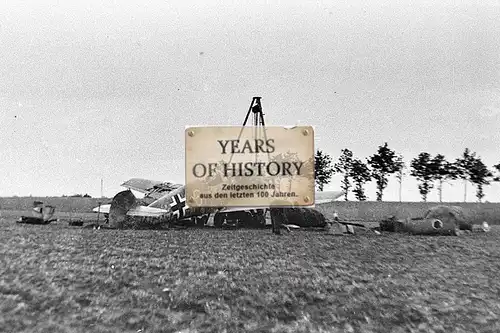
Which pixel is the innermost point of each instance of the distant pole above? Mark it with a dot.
(400, 188)
(399, 176)
(465, 190)
(102, 196)
(98, 212)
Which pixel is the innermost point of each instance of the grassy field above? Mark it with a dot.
(65, 216)
(350, 210)
(62, 204)
(57, 278)
(376, 211)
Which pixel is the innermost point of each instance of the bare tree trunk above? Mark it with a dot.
(440, 189)
(465, 190)
(400, 187)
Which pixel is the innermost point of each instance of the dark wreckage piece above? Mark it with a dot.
(121, 204)
(438, 220)
(41, 214)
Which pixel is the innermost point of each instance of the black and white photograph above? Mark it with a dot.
(375, 207)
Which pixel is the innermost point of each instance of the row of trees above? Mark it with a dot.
(77, 196)
(428, 170)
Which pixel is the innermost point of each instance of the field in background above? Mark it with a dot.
(376, 211)
(66, 204)
(11, 215)
(350, 210)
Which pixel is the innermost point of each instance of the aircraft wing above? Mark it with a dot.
(146, 211)
(321, 197)
(137, 211)
(327, 196)
(151, 188)
(104, 209)
(236, 209)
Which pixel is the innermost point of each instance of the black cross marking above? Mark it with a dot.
(178, 206)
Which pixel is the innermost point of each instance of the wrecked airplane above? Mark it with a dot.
(169, 205)
(438, 220)
(41, 214)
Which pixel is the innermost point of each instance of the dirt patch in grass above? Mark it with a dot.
(58, 278)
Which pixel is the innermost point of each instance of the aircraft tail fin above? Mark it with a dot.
(42, 212)
(485, 226)
(37, 209)
(48, 212)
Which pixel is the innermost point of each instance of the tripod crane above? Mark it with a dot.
(258, 122)
(259, 126)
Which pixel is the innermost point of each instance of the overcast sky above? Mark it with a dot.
(92, 90)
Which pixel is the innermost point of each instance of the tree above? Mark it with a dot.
(442, 170)
(400, 173)
(463, 166)
(421, 168)
(360, 173)
(290, 157)
(480, 176)
(383, 164)
(497, 177)
(344, 166)
(323, 169)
